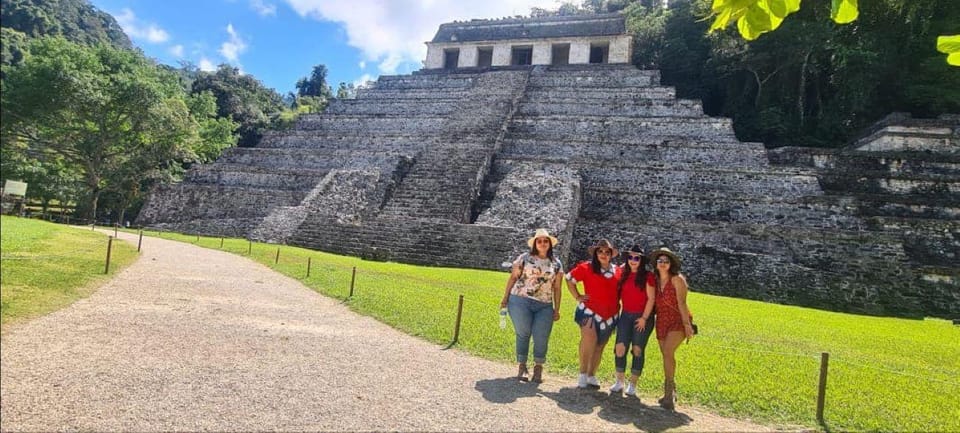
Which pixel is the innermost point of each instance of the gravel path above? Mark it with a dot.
(190, 339)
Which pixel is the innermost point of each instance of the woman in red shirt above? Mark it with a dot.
(637, 291)
(673, 317)
(597, 307)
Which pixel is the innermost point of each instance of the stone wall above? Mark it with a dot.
(536, 195)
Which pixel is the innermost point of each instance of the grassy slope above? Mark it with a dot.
(47, 266)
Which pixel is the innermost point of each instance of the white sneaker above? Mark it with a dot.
(631, 390)
(582, 381)
(617, 387)
(592, 381)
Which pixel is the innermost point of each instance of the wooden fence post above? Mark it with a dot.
(249, 247)
(352, 279)
(277, 260)
(308, 267)
(822, 389)
(140, 241)
(456, 329)
(106, 269)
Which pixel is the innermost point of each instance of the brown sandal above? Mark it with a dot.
(522, 373)
(537, 374)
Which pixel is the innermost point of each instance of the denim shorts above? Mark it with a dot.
(604, 327)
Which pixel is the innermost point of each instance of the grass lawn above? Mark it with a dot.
(46, 266)
(752, 360)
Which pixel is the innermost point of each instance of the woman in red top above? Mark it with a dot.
(597, 308)
(637, 291)
(673, 317)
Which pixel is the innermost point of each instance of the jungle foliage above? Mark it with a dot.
(810, 82)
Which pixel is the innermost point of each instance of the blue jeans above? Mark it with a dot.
(531, 317)
(628, 335)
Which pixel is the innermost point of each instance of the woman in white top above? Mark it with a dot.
(532, 297)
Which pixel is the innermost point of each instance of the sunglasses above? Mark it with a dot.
(634, 258)
(543, 241)
(663, 260)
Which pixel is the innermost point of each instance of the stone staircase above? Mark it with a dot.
(434, 196)
(902, 180)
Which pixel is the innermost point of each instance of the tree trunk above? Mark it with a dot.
(94, 198)
(802, 87)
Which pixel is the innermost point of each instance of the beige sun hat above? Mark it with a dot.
(664, 251)
(542, 233)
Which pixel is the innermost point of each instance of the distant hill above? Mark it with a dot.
(76, 20)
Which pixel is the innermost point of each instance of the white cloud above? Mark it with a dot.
(176, 51)
(362, 64)
(263, 8)
(138, 30)
(206, 65)
(232, 48)
(392, 32)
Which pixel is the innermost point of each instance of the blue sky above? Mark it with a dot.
(279, 41)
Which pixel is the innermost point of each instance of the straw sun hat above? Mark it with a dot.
(542, 233)
(664, 251)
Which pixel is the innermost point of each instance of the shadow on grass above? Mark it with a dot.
(507, 390)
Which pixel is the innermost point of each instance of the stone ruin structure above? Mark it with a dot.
(589, 39)
(458, 163)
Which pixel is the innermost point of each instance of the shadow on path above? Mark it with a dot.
(622, 409)
(617, 409)
(507, 390)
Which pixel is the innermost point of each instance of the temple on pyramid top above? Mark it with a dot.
(563, 40)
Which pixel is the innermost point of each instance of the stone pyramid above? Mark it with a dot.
(457, 168)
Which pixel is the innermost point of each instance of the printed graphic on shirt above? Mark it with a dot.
(536, 277)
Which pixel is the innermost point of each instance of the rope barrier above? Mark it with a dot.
(912, 376)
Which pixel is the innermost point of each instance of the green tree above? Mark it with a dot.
(98, 108)
(14, 43)
(243, 99)
(216, 133)
(315, 84)
(346, 91)
(76, 20)
(308, 104)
